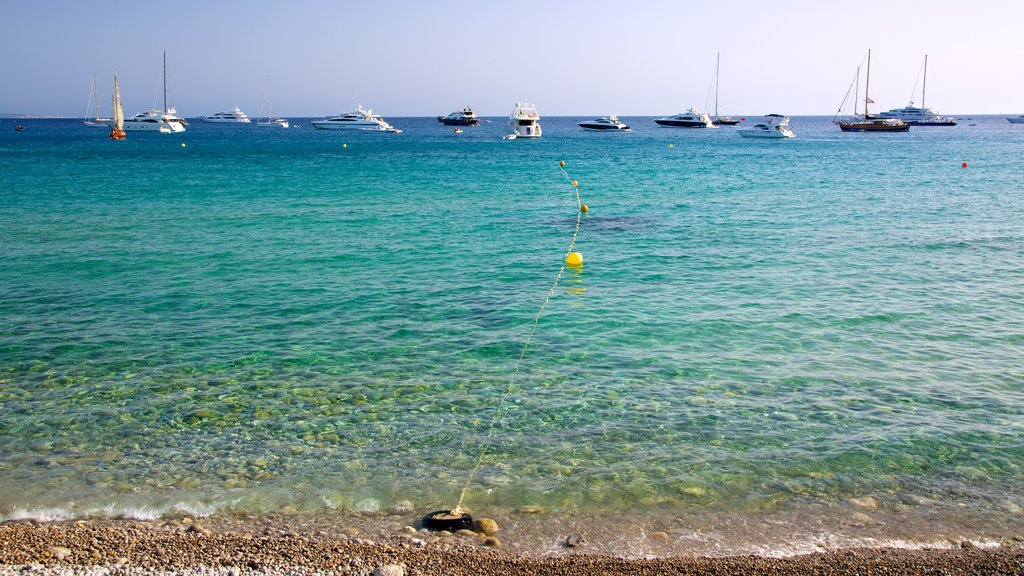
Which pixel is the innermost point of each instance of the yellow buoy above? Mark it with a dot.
(561, 163)
(575, 184)
(574, 259)
(344, 145)
(671, 145)
(584, 208)
(182, 144)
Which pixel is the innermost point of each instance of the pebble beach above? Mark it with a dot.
(184, 547)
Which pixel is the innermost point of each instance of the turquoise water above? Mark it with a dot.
(268, 319)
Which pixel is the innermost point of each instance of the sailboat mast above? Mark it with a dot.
(718, 59)
(925, 84)
(856, 92)
(867, 82)
(165, 81)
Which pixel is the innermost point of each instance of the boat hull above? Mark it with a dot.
(725, 122)
(209, 120)
(458, 121)
(680, 123)
(602, 127)
(871, 127)
(770, 134)
(1016, 120)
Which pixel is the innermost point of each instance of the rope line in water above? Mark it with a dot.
(503, 402)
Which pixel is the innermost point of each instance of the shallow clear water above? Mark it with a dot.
(267, 319)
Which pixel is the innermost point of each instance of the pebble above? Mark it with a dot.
(467, 533)
(575, 541)
(389, 570)
(659, 536)
(486, 526)
(491, 541)
(59, 552)
(869, 502)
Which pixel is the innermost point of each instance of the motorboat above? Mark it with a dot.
(773, 126)
(1015, 119)
(919, 115)
(866, 122)
(692, 118)
(524, 122)
(236, 116)
(360, 119)
(464, 117)
(150, 121)
(604, 124)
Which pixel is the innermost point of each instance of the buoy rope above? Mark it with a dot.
(503, 402)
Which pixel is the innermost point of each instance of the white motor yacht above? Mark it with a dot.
(692, 118)
(773, 126)
(150, 121)
(236, 116)
(604, 124)
(524, 122)
(358, 119)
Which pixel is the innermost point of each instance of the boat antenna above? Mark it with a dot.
(718, 59)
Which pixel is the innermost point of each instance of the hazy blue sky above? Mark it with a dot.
(412, 58)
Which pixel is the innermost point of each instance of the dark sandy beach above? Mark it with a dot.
(185, 546)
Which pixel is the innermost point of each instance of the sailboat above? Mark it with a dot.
(922, 116)
(117, 129)
(869, 123)
(716, 119)
(270, 121)
(94, 120)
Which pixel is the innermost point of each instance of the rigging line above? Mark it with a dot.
(503, 402)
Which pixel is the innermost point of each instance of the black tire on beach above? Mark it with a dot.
(443, 520)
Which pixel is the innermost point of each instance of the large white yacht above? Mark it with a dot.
(359, 119)
(151, 121)
(236, 116)
(692, 118)
(524, 122)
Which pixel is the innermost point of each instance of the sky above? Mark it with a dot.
(567, 57)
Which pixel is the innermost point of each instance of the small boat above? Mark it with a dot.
(692, 118)
(773, 126)
(458, 131)
(922, 115)
(117, 122)
(19, 127)
(359, 119)
(870, 123)
(1015, 119)
(270, 121)
(524, 122)
(236, 116)
(94, 119)
(604, 124)
(464, 117)
(716, 119)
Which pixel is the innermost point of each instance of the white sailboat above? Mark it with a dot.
(716, 119)
(94, 119)
(117, 127)
(269, 120)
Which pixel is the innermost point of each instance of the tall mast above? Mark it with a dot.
(856, 91)
(925, 84)
(165, 81)
(718, 59)
(867, 82)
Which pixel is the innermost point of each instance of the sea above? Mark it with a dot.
(770, 347)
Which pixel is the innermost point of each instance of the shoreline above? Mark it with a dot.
(240, 546)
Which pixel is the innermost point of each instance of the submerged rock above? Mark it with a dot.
(486, 526)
